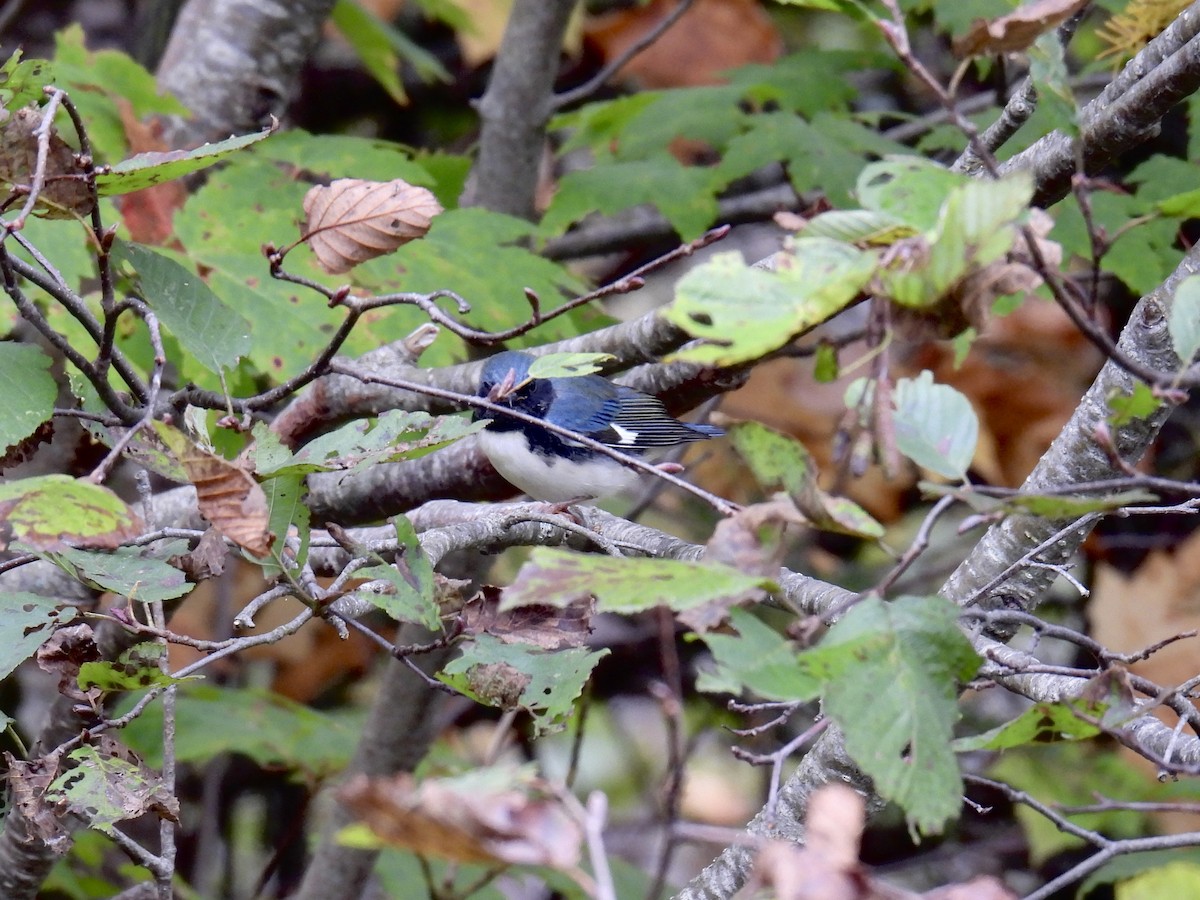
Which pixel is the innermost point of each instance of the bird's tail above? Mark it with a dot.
(708, 431)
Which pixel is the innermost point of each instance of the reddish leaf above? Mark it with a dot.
(352, 220)
(148, 213)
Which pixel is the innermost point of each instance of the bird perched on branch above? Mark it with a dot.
(556, 468)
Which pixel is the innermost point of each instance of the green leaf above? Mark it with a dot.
(342, 155)
(684, 195)
(1066, 774)
(743, 312)
(285, 505)
(831, 5)
(935, 425)
(216, 335)
(775, 459)
(757, 659)
(270, 729)
(101, 84)
(826, 368)
(463, 251)
(858, 226)
(127, 572)
(520, 676)
(567, 365)
(135, 669)
(147, 169)
(809, 81)
(49, 511)
(1184, 322)
(897, 704)
(411, 597)
(1145, 250)
(26, 621)
(907, 188)
(827, 153)
(601, 124)
(1124, 408)
(22, 80)
(382, 48)
(780, 461)
(1178, 869)
(1041, 723)
(627, 585)
(975, 229)
(958, 17)
(111, 72)
(397, 434)
(1048, 70)
(246, 204)
(27, 391)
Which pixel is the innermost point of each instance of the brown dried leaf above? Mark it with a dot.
(207, 560)
(64, 193)
(711, 38)
(498, 684)
(827, 867)
(353, 220)
(1017, 30)
(547, 627)
(62, 655)
(834, 825)
(229, 497)
(475, 819)
(28, 781)
(23, 450)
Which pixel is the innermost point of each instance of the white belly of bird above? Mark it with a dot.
(553, 479)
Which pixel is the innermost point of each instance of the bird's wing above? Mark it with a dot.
(635, 421)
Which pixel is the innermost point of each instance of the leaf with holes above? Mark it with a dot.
(26, 620)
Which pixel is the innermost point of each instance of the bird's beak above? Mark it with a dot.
(503, 389)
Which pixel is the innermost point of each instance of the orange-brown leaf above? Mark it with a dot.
(352, 220)
(516, 824)
(229, 497)
(1017, 30)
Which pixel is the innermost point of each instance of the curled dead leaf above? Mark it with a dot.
(28, 781)
(544, 626)
(480, 818)
(65, 193)
(228, 496)
(1017, 30)
(352, 221)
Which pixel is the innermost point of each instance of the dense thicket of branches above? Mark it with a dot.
(197, 374)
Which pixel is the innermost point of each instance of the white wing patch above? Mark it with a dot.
(626, 437)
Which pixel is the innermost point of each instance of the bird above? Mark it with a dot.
(556, 469)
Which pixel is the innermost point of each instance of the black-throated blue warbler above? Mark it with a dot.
(552, 467)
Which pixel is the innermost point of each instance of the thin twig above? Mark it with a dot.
(597, 81)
